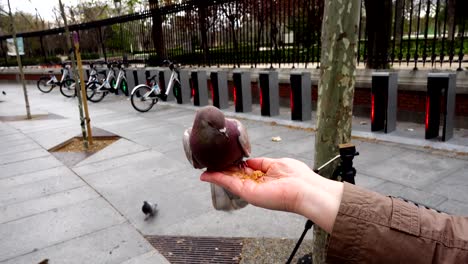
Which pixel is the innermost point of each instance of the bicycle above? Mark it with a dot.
(145, 96)
(46, 84)
(96, 91)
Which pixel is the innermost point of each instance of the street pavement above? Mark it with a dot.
(90, 212)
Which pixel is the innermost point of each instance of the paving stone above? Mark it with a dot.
(148, 258)
(413, 169)
(119, 148)
(367, 181)
(373, 153)
(180, 195)
(454, 207)
(249, 222)
(130, 164)
(23, 156)
(15, 142)
(44, 230)
(46, 203)
(454, 186)
(110, 245)
(18, 148)
(38, 189)
(32, 177)
(26, 166)
(417, 196)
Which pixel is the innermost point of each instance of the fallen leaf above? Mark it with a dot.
(276, 139)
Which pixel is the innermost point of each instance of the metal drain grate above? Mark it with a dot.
(184, 249)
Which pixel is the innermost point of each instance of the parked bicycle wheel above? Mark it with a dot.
(177, 92)
(67, 88)
(42, 85)
(124, 87)
(92, 92)
(141, 101)
(112, 83)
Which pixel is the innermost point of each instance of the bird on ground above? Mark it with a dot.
(3, 92)
(149, 210)
(217, 143)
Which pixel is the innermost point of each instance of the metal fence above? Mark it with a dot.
(259, 33)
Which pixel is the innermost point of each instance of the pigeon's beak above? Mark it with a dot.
(224, 132)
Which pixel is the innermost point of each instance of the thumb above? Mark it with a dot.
(262, 164)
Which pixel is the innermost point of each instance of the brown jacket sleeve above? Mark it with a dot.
(372, 228)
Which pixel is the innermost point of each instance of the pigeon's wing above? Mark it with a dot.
(187, 150)
(243, 137)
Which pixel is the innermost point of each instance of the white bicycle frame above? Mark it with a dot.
(156, 88)
(53, 80)
(92, 76)
(110, 76)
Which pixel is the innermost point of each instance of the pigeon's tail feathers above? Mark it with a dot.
(224, 200)
(243, 137)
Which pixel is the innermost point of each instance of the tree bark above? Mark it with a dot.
(399, 20)
(336, 91)
(378, 27)
(18, 59)
(75, 74)
(157, 30)
(203, 30)
(451, 10)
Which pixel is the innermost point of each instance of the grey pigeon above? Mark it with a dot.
(149, 210)
(216, 143)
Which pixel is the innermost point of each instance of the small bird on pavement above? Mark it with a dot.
(3, 92)
(216, 143)
(149, 210)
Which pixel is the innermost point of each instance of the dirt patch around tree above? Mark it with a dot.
(76, 145)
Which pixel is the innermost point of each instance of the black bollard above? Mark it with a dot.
(200, 88)
(301, 96)
(269, 93)
(384, 101)
(220, 89)
(242, 91)
(440, 86)
(185, 89)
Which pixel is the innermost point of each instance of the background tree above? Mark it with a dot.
(378, 27)
(335, 93)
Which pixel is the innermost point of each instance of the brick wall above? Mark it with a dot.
(411, 101)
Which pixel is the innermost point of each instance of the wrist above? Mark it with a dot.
(321, 201)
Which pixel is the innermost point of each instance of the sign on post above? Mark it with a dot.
(11, 46)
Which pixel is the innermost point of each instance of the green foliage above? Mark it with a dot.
(27, 61)
(89, 56)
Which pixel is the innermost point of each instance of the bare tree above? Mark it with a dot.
(18, 59)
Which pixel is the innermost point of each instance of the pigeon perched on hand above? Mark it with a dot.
(149, 209)
(217, 143)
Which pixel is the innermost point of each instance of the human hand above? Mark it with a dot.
(289, 185)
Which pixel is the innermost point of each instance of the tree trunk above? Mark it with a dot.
(203, 30)
(75, 74)
(18, 59)
(378, 27)
(399, 20)
(451, 10)
(336, 91)
(157, 30)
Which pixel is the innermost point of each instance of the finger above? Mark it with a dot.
(231, 183)
(262, 164)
